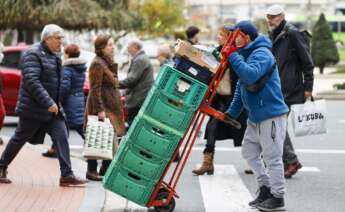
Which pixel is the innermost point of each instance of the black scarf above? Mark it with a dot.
(278, 29)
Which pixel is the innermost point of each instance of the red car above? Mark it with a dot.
(10, 74)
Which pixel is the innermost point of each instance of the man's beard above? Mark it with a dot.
(58, 52)
(271, 28)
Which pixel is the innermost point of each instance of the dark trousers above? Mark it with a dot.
(212, 127)
(289, 155)
(26, 129)
(211, 137)
(132, 113)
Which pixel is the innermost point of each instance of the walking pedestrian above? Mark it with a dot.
(73, 97)
(139, 79)
(215, 129)
(2, 107)
(295, 65)
(39, 104)
(164, 55)
(104, 99)
(192, 34)
(266, 125)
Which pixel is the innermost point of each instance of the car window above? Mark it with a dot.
(11, 59)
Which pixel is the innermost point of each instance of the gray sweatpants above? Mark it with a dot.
(267, 139)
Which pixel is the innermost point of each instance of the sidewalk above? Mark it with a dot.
(35, 186)
(323, 84)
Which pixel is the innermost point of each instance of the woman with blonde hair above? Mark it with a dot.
(104, 98)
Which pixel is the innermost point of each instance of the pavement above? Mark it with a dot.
(35, 185)
(35, 178)
(323, 84)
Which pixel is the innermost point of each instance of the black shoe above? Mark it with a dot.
(50, 153)
(3, 176)
(93, 175)
(272, 204)
(248, 171)
(264, 194)
(102, 170)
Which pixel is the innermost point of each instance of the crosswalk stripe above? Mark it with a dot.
(312, 151)
(237, 149)
(131, 206)
(309, 169)
(224, 191)
(342, 121)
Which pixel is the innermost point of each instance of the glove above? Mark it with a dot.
(228, 50)
(229, 120)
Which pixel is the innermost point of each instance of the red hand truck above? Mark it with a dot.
(162, 197)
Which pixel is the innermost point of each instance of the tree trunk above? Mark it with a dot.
(321, 68)
(25, 36)
(21, 37)
(29, 36)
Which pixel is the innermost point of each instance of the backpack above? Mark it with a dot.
(304, 34)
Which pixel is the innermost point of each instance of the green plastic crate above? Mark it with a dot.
(128, 184)
(175, 83)
(168, 110)
(142, 162)
(153, 136)
(121, 148)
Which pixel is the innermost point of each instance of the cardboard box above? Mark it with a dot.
(202, 58)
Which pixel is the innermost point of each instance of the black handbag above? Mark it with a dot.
(260, 83)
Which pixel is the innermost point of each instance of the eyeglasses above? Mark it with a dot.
(58, 37)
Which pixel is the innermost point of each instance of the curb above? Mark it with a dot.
(331, 95)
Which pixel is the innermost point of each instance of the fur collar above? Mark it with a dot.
(74, 61)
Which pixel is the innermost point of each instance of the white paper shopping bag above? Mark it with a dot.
(309, 118)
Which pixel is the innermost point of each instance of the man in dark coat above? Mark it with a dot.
(39, 105)
(139, 79)
(292, 52)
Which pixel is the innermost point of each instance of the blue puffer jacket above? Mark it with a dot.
(250, 63)
(73, 99)
(40, 84)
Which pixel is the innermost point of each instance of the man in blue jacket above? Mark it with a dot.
(39, 105)
(266, 125)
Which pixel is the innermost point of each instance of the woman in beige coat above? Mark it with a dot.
(104, 96)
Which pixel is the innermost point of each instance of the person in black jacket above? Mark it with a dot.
(215, 129)
(295, 64)
(39, 106)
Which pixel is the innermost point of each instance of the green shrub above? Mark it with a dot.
(342, 54)
(340, 70)
(323, 49)
(339, 86)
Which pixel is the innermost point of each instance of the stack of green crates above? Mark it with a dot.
(154, 135)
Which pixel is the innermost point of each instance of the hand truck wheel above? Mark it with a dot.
(166, 207)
